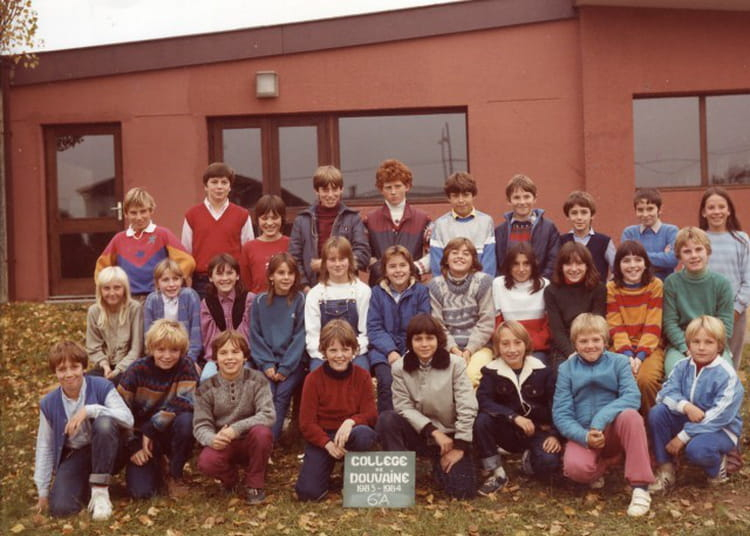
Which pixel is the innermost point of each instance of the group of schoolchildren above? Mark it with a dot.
(560, 347)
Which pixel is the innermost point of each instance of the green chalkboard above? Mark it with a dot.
(379, 479)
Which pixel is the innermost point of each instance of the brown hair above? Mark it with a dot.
(235, 337)
(221, 262)
(67, 351)
(274, 264)
(520, 182)
(395, 251)
(338, 330)
(218, 169)
(631, 247)
(269, 204)
(651, 196)
(572, 251)
(393, 170)
(455, 244)
(327, 176)
(582, 199)
(518, 331)
(506, 269)
(168, 333)
(733, 223)
(460, 182)
(344, 249)
(425, 323)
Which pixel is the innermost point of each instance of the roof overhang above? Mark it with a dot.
(721, 5)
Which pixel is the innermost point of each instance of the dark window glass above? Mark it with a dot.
(242, 151)
(728, 139)
(298, 159)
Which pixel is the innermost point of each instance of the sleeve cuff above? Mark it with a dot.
(641, 355)
(684, 437)
(681, 406)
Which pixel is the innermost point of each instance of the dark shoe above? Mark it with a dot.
(255, 495)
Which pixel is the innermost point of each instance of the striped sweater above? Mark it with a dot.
(520, 304)
(634, 317)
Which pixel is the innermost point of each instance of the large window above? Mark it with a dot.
(692, 141)
(278, 154)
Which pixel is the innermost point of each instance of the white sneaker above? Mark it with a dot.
(664, 479)
(722, 477)
(640, 503)
(100, 506)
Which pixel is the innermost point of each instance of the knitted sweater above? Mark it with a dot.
(465, 308)
(156, 396)
(519, 304)
(687, 296)
(330, 397)
(564, 303)
(477, 227)
(730, 257)
(277, 333)
(241, 404)
(118, 344)
(634, 315)
(188, 314)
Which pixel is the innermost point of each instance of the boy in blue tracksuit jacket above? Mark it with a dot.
(698, 409)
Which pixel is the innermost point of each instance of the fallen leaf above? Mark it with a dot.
(709, 523)
(555, 529)
(675, 513)
(145, 520)
(568, 511)
(153, 511)
(209, 523)
(18, 527)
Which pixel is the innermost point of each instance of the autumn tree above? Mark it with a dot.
(18, 26)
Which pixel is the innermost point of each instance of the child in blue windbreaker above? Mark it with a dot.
(698, 409)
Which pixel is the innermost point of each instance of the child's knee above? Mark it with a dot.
(105, 426)
(583, 469)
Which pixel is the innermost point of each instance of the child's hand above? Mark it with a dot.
(527, 425)
(635, 365)
(393, 357)
(674, 446)
(443, 441)
(271, 373)
(694, 413)
(279, 377)
(334, 451)
(551, 445)
(75, 422)
(595, 439)
(145, 454)
(223, 438)
(668, 248)
(106, 369)
(41, 505)
(450, 458)
(456, 351)
(342, 434)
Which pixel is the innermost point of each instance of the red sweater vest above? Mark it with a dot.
(211, 237)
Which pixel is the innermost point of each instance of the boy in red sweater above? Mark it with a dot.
(216, 225)
(337, 412)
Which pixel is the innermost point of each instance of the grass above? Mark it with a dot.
(524, 507)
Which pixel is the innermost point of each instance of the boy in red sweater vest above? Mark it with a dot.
(216, 225)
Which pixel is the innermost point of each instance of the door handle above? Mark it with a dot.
(118, 208)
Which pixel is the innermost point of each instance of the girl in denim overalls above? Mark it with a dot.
(338, 294)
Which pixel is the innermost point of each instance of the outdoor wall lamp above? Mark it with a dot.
(266, 84)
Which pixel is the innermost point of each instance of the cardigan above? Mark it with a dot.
(120, 345)
(188, 314)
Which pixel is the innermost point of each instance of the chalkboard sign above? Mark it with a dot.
(379, 479)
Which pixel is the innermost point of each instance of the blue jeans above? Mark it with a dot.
(315, 473)
(282, 393)
(176, 442)
(703, 450)
(493, 431)
(382, 373)
(81, 468)
(396, 433)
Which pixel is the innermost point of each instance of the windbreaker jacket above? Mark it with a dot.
(387, 320)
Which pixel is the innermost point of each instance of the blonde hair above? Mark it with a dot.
(108, 275)
(138, 197)
(691, 233)
(711, 325)
(518, 331)
(167, 265)
(168, 333)
(589, 323)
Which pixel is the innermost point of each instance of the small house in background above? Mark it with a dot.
(601, 95)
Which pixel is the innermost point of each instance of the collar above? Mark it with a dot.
(655, 227)
(575, 236)
(469, 216)
(400, 206)
(229, 297)
(385, 286)
(211, 209)
(532, 218)
(150, 228)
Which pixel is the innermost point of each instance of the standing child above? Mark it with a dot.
(270, 214)
(338, 294)
(395, 300)
(515, 409)
(524, 223)
(327, 218)
(461, 299)
(730, 257)
(463, 220)
(143, 245)
(434, 408)
(396, 221)
(575, 289)
(216, 225)
(114, 325)
(233, 417)
(692, 292)
(596, 408)
(174, 301)
(656, 236)
(337, 411)
(159, 389)
(78, 438)
(580, 210)
(634, 315)
(519, 295)
(277, 333)
(226, 306)
(698, 409)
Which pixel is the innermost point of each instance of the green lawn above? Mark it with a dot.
(524, 507)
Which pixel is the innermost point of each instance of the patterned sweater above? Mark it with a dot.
(634, 316)
(465, 308)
